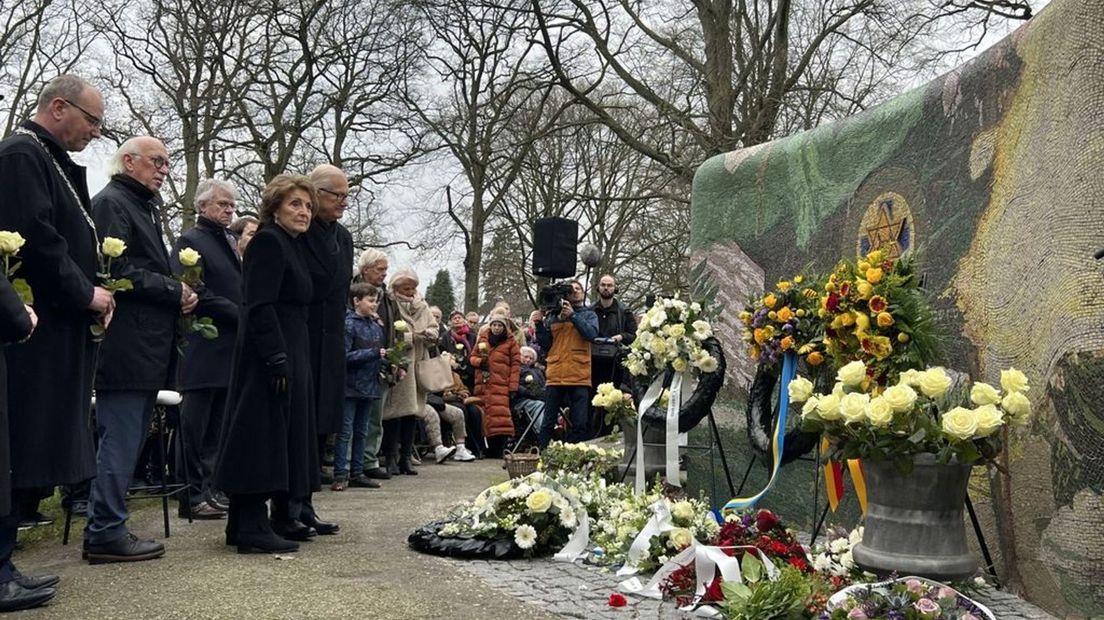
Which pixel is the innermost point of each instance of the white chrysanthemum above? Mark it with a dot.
(567, 517)
(525, 536)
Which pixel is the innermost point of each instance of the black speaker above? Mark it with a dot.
(555, 243)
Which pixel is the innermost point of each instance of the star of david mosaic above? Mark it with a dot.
(886, 224)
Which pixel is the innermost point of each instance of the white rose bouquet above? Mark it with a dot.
(583, 458)
(670, 335)
(913, 417)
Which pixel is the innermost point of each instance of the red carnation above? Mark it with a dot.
(800, 564)
(618, 600)
(832, 304)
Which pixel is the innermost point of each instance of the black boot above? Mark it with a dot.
(252, 532)
(405, 467)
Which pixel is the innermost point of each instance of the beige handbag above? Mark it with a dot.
(433, 373)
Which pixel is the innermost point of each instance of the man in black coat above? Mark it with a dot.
(616, 329)
(329, 254)
(45, 199)
(138, 353)
(205, 366)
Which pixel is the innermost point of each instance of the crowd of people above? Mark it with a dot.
(318, 351)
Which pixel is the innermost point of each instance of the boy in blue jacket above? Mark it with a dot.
(362, 421)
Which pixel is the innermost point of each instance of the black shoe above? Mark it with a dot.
(218, 499)
(36, 582)
(206, 512)
(364, 482)
(263, 542)
(291, 530)
(13, 596)
(324, 528)
(127, 549)
(377, 473)
(393, 470)
(406, 468)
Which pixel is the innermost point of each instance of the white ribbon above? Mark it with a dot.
(655, 390)
(658, 524)
(674, 405)
(672, 438)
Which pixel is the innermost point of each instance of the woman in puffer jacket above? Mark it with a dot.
(497, 363)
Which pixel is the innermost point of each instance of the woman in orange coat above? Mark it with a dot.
(497, 364)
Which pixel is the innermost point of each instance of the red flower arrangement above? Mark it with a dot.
(761, 529)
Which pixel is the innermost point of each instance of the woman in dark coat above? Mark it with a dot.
(268, 441)
(497, 363)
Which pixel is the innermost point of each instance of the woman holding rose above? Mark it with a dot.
(268, 438)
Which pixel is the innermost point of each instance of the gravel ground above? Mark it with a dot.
(365, 571)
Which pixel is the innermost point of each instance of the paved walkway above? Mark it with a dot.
(365, 572)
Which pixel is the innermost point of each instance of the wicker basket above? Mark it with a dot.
(521, 464)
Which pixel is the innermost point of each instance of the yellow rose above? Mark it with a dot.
(1018, 406)
(934, 382)
(10, 242)
(900, 398)
(853, 407)
(680, 365)
(785, 314)
(866, 290)
(815, 358)
(984, 394)
(786, 343)
(770, 300)
(680, 538)
(1013, 380)
(829, 407)
(875, 256)
(879, 412)
(784, 285)
(113, 247)
(800, 390)
(874, 275)
(862, 322)
(539, 501)
(188, 257)
(852, 374)
(885, 319)
(959, 423)
(988, 419)
(863, 266)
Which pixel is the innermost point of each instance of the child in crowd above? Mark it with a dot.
(363, 406)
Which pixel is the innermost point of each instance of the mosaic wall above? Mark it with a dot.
(994, 173)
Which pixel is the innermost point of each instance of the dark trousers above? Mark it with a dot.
(473, 422)
(122, 421)
(248, 515)
(398, 437)
(9, 528)
(201, 415)
(577, 399)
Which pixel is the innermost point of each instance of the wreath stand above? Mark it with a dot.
(714, 442)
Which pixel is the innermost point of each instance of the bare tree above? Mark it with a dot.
(491, 108)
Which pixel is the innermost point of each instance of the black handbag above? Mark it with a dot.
(610, 351)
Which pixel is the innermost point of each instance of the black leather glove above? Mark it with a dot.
(277, 371)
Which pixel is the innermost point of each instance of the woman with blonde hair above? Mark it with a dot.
(406, 399)
(268, 442)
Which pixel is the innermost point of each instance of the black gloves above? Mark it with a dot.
(277, 371)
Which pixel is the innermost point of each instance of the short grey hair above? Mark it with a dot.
(529, 350)
(370, 257)
(207, 188)
(115, 164)
(65, 86)
(238, 226)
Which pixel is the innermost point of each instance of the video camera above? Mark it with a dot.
(552, 297)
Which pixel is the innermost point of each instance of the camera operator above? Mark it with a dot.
(616, 330)
(566, 337)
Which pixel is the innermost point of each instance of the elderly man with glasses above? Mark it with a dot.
(139, 349)
(44, 198)
(205, 366)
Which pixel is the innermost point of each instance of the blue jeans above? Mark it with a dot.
(122, 421)
(577, 399)
(356, 424)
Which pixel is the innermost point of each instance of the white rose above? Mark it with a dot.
(800, 390)
(677, 331)
(934, 382)
(984, 394)
(10, 242)
(910, 377)
(852, 374)
(900, 397)
(1018, 406)
(829, 407)
(683, 510)
(988, 419)
(959, 423)
(680, 537)
(879, 412)
(853, 407)
(839, 545)
(658, 319)
(1013, 380)
(810, 407)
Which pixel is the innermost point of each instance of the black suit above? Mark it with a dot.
(206, 364)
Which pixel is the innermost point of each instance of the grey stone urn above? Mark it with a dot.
(914, 523)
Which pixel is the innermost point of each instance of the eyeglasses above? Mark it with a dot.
(93, 120)
(157, 161)
(340, 197)
(226, 205)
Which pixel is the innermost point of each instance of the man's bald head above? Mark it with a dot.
(333, 191)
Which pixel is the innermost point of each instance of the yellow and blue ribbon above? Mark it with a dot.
(778, 440)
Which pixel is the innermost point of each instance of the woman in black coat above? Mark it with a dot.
(268, 441)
